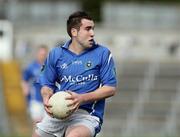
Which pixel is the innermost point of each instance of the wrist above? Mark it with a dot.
(82, 98)
(46, 93)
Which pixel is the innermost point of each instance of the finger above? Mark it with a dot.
(69, 97)
(74, 108)
(48, 109)
(47, 104)
(72, 103)
(70, 92)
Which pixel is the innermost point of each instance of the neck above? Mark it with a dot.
(76, 47)
(40, 61)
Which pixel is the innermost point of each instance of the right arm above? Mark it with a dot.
(48, 78)
(25, 87)
(25, 82)
(46, 93)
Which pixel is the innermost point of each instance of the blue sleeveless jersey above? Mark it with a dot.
(81, 73)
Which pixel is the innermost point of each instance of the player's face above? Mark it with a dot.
(42, 54)
(85, 35)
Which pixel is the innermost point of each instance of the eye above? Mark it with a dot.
(88, 28)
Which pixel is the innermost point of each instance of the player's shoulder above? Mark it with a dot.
(102, 48)
(56, 50)
(32, 64)
(60, 44)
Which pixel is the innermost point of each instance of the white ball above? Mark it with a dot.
(59, 107)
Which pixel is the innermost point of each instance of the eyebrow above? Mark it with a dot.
(89, 27)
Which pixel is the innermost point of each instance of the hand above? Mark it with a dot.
(76, 100)
(46, 105)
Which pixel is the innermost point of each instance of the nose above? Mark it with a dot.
(92, 32)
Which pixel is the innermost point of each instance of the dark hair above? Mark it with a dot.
(43, 46)
(74, 20)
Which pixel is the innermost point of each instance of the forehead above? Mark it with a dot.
(42, 50)
(86, 22)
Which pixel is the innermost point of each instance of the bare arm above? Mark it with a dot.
(25, 87)
(46, 93)
(100, 93)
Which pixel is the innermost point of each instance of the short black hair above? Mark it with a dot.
(74, 20)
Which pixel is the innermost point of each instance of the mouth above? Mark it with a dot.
(91, 41)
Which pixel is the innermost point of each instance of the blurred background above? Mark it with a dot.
(144, 37)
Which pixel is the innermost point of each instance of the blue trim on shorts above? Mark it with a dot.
(97, 129)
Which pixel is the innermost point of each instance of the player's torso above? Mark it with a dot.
(79, 73)
(35, 69)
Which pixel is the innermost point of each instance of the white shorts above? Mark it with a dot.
(36, 110)
(52, 127)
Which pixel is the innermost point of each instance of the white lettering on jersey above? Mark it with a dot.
(79, 79)
(64, 66)
(78, 62)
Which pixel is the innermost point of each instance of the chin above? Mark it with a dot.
(90, 45)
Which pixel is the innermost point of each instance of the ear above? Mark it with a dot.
(74, 32)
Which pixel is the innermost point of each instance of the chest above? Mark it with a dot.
(35, 70)
(77, 65)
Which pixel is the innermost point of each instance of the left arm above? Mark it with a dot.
(100, 93)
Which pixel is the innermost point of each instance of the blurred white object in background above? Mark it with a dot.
(6, 40)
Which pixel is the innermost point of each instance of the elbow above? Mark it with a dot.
(110, 91)
(113, 91)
